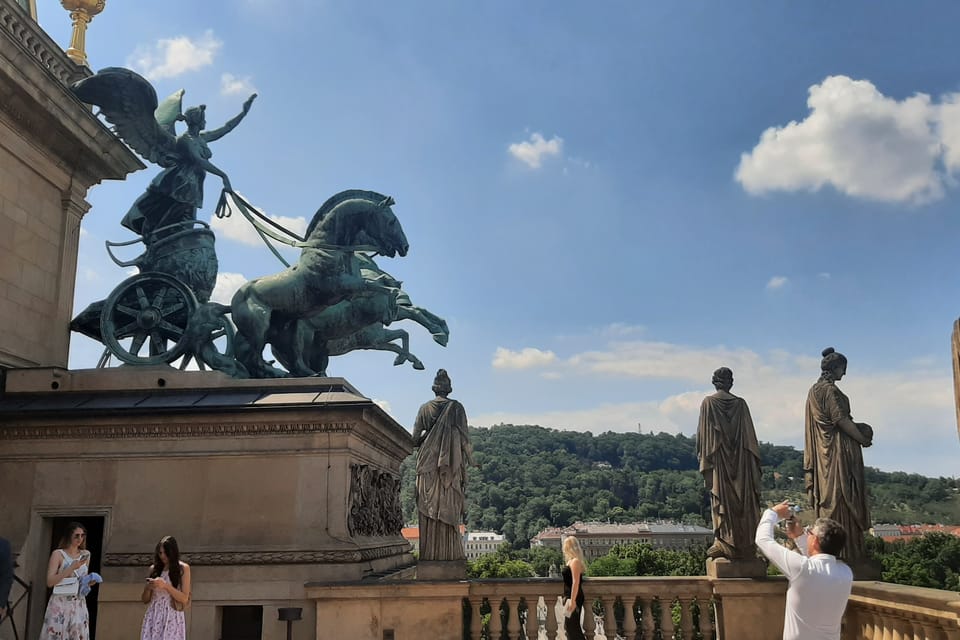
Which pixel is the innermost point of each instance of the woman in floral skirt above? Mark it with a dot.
(167, 594)
(66, 617)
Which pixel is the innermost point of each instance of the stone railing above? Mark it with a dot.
(883, 611)
(655, 608)
(615, 607)
(22, 29)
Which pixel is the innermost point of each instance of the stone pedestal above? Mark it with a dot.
(441, 570)
(750, 609)
(266, 484)
(739, 568)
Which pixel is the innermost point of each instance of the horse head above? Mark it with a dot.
(356, 218)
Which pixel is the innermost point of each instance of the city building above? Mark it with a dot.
(551, 538)
(597, 538)
(412, 535)
(480, 543)
(894, 532)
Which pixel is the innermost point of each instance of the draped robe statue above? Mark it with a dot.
(444, 452)
(730, 463)
(833, 458)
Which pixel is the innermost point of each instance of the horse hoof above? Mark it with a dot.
(418, 366)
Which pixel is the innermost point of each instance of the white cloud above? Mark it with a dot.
(532, 152)
(857, 140)
(823, 275)
(527, 358)
(227, 285)
(232, 85)
(236, 227)
(171, 57)
(912, 403)
(777, 282)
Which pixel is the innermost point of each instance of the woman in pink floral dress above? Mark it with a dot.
(167, 594)
(66, 617)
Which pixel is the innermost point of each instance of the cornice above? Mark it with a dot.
(37, 44)
(168, 430)
(233, 558)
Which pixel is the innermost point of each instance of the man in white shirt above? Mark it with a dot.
(819, 583)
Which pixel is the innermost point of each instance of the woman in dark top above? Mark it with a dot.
(573, 588)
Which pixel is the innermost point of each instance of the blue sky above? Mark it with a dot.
(606, 201)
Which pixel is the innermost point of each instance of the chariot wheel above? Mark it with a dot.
(147, 310)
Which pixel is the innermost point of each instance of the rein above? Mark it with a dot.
(267, 229)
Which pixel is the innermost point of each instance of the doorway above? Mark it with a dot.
(94, 526)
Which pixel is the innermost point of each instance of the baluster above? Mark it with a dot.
(559, 618)
(885, 621)
(852, 625)
(915, 630)
(703, 623)
(629, 621)
(874, 626)
(932, 631)
(513, 617)
(476, 618)
(666, 618)
(601, 622)
(686, 617)
(896, 628)
(586, 620)
(647, 621)
(540, 630)
(496, 622)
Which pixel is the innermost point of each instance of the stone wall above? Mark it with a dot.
(256, 480)
(52, 149)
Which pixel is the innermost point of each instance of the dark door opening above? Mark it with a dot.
(94, 526)
(241, 623)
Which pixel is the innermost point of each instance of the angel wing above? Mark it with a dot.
(129, 103)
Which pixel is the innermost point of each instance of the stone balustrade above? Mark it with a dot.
(883, 611)
(614, 606)
(665, 608)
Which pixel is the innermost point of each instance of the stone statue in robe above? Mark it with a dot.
(443, 455)
(730, 463)
(833, 457)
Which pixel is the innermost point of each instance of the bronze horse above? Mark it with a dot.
(358, 323)
(327, 273)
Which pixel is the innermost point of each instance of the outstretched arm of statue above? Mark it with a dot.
(216, 134)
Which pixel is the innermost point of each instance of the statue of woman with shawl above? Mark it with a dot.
(833, 457)
(444, 452)
(730, 463)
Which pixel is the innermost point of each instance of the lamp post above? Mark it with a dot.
(81, 13)
(288, 615)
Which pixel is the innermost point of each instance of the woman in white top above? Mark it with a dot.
(66, 617)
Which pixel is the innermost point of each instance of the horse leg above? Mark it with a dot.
(252, 319)
(402, 350)
(436, 325)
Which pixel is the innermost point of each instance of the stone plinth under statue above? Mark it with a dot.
(268, 485)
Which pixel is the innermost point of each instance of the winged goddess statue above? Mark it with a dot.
(129, 103)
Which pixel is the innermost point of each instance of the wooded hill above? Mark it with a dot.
(531, 478)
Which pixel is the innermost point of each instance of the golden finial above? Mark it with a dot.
(81, 13)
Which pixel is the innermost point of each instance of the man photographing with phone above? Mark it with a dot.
(819, 582)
